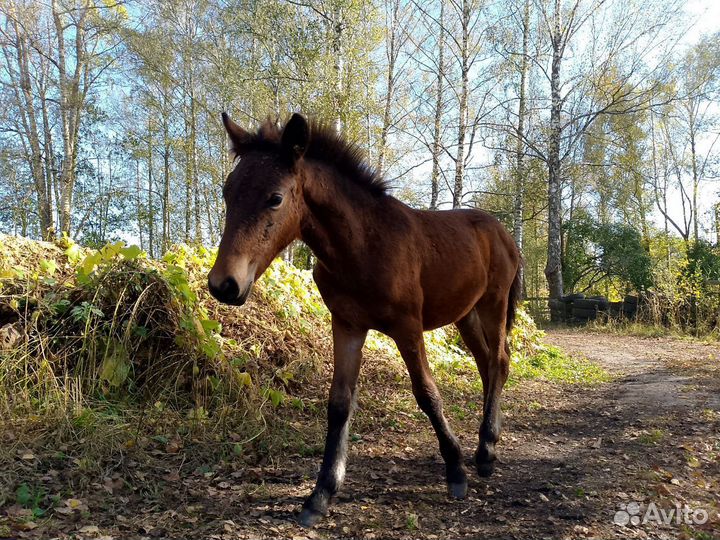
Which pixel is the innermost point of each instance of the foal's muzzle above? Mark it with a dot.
(229, 291)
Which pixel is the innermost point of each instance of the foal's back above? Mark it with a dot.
(462, 256)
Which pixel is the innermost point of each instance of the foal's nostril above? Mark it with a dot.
(227, 291)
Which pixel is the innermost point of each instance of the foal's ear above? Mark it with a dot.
(238, 136)
(295, 137)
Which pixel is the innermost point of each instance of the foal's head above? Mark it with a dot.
(263, 197)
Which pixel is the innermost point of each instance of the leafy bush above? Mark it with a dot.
(685, 296)
(598, 252)
(104, 322)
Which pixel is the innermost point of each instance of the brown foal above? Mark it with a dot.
(381, 265)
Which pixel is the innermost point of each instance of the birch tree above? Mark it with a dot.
(632, 41)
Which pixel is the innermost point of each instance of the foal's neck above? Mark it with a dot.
(339, 214)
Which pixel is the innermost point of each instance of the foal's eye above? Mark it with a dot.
(274, 201)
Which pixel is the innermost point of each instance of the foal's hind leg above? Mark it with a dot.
(412, 349)
(483, 331)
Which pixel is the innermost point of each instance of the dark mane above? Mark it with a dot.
(326, 146)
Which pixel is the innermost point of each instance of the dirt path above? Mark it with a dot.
(651, 369)
(571, 458)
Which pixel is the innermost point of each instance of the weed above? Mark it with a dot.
(31, 498)
(651, 437)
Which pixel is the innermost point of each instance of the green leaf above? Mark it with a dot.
(214, 382)
(141, 331)
(109, 251)
(84, 311)
(211, 348)
(73, 253)
(90, 262)
(23, 495)
(276, 397)
(116, 366)
(297, 403)
(185, 290)
(210, 326)
(285, 376)
(131, 252)
(244, 378)
(48, 266)
(61, 306)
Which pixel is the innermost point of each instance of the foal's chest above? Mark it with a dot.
(357, 302)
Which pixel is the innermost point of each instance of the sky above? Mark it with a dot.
(707, 17)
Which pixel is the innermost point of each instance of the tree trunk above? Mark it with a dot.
(518, 228)
(138, 195)
(338, 27)
(462, 108)
(193, 158)
(695, 178)
(65, 202)
(71, 103)
(437, 127)
(553, 268)
(23, 91)
(166, 176)
(392, 54)
(150, 209)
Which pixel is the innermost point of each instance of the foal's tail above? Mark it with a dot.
(513, 298)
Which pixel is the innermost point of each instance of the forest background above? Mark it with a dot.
(589, 127)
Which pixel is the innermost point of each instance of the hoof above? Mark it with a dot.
(486, 469)
(457, 481)
(314, 508)
(485, 459)
(308, 517)
(458, 490)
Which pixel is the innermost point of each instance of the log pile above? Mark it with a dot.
(580, 309)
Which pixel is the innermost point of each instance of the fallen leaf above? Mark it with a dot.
(173, 446)
(25, 525)
(172, 476)
(89, 529)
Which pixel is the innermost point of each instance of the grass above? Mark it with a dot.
(552, 364)
(107, 353)
(647, 330)
(652, 437)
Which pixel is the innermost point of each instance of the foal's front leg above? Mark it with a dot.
(347, 349)
(412, 349)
